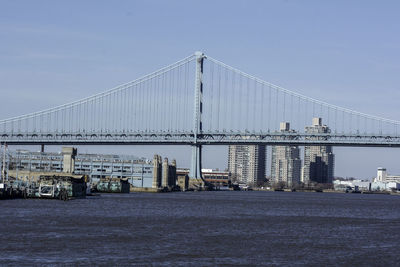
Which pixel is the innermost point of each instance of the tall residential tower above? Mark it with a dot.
(318, 160)
(246, 163)
(285, 161)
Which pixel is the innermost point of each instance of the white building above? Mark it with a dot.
(382, 182)
(382, 176)
(384, 186)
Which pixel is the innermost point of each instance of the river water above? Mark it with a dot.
(203, 229)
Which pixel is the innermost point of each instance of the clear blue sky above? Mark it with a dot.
(343, 52)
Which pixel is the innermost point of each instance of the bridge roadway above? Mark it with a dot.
(188, 138)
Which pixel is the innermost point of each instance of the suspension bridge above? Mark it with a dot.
(197, 101)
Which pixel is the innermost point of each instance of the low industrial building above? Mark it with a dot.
(139, 172)
(215, 177)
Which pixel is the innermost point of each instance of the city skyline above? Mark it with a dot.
(43, 74)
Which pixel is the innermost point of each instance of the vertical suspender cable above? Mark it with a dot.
(113, 117)
(254, 106)
(156, 104)
(175, 100)
(313, 109)
(299, 128)
(262, 88)
(321, 111)
(134, 107)
(148, 114)
(164, 103)
(218, 96)
(239, 104)
(351, 122)
(172, 100)
(336, 130)
(179, 101)
(342, 121)
(126, 122)
(140, 102)
(185, 104)
(276, 108)
(247, 102)
(269, 107)
(291, 119)
(226, 100)
(170, 103)
(70, 119)
(153, 101)
(232, 104)
(147, 104)
(284, 106)
(120, 108)
(211, 82)
(306, 103)
(329, 122)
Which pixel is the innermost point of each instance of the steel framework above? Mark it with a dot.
(227, 106)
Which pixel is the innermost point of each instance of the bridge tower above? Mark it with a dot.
(195, 168)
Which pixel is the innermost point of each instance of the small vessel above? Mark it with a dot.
(61, 187)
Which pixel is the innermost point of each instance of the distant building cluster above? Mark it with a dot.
(382, 182)
(246, 163)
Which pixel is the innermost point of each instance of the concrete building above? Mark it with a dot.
(318, 160)
(140, 172)
(385, 186)
(285, 161)
(216, 177)
(69, 154)
(382, 176)
(246, 163)
(357, 185)
(366, 185)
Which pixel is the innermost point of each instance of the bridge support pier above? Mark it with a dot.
(195, 167)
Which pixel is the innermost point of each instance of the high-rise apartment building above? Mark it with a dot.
(285, 161)
(318, 160)
(246, 163)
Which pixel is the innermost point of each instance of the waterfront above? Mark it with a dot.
(203, 228)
